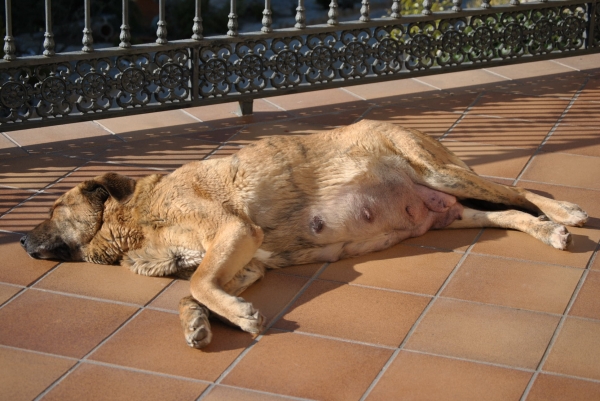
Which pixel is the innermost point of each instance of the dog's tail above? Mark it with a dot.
(152, 261)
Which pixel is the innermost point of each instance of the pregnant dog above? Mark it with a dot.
(282, 201)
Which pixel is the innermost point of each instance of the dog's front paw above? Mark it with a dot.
(194, 321)
(570, 214)
(558, 237)
(251, 320)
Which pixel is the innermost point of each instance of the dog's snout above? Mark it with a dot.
(23, 241)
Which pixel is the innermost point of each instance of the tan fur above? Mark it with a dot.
(282, 201)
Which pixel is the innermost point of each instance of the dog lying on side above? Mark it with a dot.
(282, 201)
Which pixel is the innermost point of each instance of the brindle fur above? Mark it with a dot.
(282, 201)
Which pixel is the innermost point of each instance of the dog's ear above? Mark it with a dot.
(118, 186)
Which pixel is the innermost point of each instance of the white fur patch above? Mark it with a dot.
(262, 255)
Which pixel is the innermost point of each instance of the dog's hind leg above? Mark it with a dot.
(194, 316)
(550, 233)
(464, 183)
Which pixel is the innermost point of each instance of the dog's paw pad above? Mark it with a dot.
(194, 321)
(571, 215)
(252, 323)
(198, 335)
(559, 237)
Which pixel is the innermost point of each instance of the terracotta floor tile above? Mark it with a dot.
(564, 169)
(17, 267)
(453, 240)
(596, 263)
(8, 148)
(485, 333)
(501, 132)
(576, 351)
(457, 103)
(587, 303)
(583, 113)
(150, 125)
(469, 79)
(589, 61)
(154, 341)
(574, 139)
(520, 285)
(170, 152)
(308, 270)
(116, 283)
(26, 216)
(12, 197)
(59, 324)
(95, 382)
(591, 91)
(556, 388)
(291, 127)
(491, 160)
(7, 292)
(269, 295)
(312, 103)
(35, 172)
(531, 108)
(354, 313)
(321, 368)
(63, 137)
(518, 245)
(403, 268)
(414, 376)
(532, 69)
(389, 92)
(432, 122)
(24, 375)
(228, 114)
(334, 120)
(92, 170)
(563, 85)
(224, 151)
(226, 393)
(586, 198)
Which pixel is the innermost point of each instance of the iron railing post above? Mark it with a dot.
(48, 36)
(232, 24)
(9, 42)
(161, 31)
(197, 27)
(88, 40)
(125, 36)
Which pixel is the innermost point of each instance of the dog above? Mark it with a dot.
(284, 200)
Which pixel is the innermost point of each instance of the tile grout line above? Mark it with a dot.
(552, 130)
(262, 333)
(392, 358)
(462, 116)
(497, 74)
(275, 105)
(27, 287)
(427, 84)
(251, 390)
(559, 326)
(354, 94)
(85, 357)
(564, 65)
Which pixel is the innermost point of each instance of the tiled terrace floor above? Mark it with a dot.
(453, 315)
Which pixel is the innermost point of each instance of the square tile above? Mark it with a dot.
(484, 333)
(96, 382)
(544, 288)
(7, 292)
(17, 266)
(563, 85)
(35, 172)
(308, 367)
(450, 239)
(63, 137)
(354, 313)
(582, 62)
(574, 139)
(228, 114)
(24, 375)
(556, 388)
(518, 245)
(389, 92)
(531, 108)
(583, 113)
(308, 270)
(455, 102)
(313, 103)
(59, 324)
(432, 122)
(414, 376)
(587, 303)
(491, 160)
(153, 124)
(115, 283)
(403, 268)
(255, 132)
(10, 198)
(531, 69)
(576, 351)
(154, 341)
(8, 148)
(591, 91)
(500, 132)
(26, 216)
(228, 393)
(469, 79)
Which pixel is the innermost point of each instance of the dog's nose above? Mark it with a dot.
(23, 241)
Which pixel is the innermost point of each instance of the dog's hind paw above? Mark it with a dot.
(194, 321)
(252, 321)
(559, 237)
(569, 214)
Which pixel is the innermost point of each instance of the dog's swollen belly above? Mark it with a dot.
(363, 220)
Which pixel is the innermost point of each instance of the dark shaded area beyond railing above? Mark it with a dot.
(57, 88)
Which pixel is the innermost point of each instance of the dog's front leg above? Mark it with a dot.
(232, 248)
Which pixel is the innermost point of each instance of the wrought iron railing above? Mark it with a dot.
(92, 84)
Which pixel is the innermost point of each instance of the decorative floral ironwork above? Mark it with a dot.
(286, 62)
(251, 66)
(420, 45)
(133, 80)
(54, 90)
(387, 50)
(13, 95)
(321, 57)
(355, 53)
(171, 75)
(93, 85)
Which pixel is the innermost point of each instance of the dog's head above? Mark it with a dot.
(76, 217)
